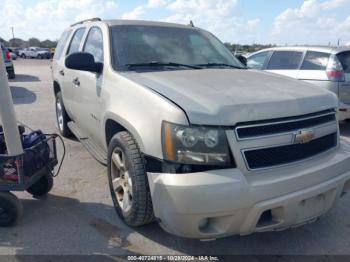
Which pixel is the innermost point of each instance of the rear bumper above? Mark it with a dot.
(225, 202)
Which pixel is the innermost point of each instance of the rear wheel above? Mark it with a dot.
(128, 181)
(62, 116)
(42, 186)
(10, 209)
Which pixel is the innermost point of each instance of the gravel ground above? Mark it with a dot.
(78, 216)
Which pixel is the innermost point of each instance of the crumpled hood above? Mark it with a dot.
(226, 96)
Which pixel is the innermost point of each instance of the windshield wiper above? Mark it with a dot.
(219, 64)
(156, 63)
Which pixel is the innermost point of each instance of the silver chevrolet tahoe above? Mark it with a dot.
(191, 138)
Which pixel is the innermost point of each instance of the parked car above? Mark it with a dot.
(326, 67)
(35, 52)
(12, 54)
(8, 62)
(192, 139)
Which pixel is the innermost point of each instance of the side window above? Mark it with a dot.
(285, 60)
(315, 61)
(76, 40)
(257, 61)
(94, 44)
(61, 44)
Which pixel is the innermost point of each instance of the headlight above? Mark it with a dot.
(195, 145)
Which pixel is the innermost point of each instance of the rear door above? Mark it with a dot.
(285, 62)
(344, 87)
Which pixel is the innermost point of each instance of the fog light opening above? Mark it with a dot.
(203, 224)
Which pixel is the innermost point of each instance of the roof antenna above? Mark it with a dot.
(191, 23)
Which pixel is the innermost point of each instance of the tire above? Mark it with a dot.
(10, 209)
(42, 186)
(11, 73)
(123, 149)
(23, 56)
(62, 117)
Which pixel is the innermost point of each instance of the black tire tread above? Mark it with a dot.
(142, 211)
(16, 208)
(42, 186)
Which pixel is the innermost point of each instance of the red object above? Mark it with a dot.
(8, 55)
(343, 110)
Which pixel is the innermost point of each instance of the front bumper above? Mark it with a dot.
(225, 202)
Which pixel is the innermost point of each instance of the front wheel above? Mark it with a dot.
(10, 209)
(42, 186)
(128, 181)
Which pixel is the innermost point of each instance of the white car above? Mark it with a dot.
(35, 52)
(326, 67)
(192, 139)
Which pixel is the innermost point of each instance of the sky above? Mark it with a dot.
(236, 21)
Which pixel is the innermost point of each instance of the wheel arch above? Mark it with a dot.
(114, 124)
(56, 87)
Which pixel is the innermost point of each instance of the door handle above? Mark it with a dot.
(61, 72)
(76, 81)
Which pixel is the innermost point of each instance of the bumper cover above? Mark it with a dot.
(225, 202)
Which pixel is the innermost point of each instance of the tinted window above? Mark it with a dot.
(61, 44)
(94, 44)
(76, 40)
(315, 61)
(133, 44)
(285, 60)
(344, 59)
(257, 61)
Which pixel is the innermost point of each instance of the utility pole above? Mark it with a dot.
(13, 35)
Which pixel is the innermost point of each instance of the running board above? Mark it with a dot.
(97, 152)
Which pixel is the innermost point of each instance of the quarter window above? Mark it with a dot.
(94, 44)
(258, 61)
(285, 60)
(76, 40)
(344, 58)
(315, 61)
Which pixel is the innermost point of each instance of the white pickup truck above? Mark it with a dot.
(35, 52)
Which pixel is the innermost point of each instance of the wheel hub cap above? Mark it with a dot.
(121, 181)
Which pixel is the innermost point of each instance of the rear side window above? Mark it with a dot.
(344, 59)
(285, 60)
(315, 61)
(76, 40)
(258, 61)
(94, 44)
(61, 44)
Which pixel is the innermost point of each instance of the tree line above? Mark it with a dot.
(18, 42)
(238, 48)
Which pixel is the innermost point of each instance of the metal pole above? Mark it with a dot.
(7, 114)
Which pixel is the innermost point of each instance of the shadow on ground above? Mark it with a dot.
(25, 78)
(66, 238)
(21, 95)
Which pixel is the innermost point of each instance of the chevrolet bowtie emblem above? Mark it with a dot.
(303, 136)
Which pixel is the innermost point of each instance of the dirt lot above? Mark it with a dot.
(78, 216)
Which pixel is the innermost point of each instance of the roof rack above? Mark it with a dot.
(87, 20)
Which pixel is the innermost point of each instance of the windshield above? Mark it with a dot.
(160, 48)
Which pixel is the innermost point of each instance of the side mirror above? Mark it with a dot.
(83, 61)
(242, 59)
